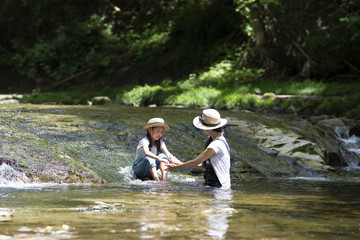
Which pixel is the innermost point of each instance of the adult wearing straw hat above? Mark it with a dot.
(216, 156)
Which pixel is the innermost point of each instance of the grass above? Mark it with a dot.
(224, 87)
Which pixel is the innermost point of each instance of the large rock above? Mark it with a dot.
(286, 142)
(330, 125)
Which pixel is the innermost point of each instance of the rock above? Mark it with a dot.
(5, 216)
(268, 95)
(5, 97)
(286, 143)
(331, 123)
(334, 160)
(10, 98)
(101, 100)
(355, 130)
(10, 101)
(350, 158)
(7, 161)
(291, 110)
(25, 229)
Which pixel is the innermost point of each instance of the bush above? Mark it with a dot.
(197, 97)
(57, 98)
(146, 95)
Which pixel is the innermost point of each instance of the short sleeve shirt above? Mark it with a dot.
(221, 161)
(140, 154)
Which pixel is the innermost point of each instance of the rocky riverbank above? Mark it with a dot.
(314, 145)
(94, 144)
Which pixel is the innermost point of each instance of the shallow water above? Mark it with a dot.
(184, 209)
(273, 201)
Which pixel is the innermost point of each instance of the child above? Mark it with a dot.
(151, 153)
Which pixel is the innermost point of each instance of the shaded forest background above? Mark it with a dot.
(170, 48)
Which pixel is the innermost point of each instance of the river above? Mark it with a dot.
(260, 205)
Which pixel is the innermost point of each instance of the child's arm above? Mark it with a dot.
(171, 157)
(152, 155)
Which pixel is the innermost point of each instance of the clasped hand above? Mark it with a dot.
(170, 167)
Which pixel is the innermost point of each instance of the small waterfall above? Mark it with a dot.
(9, 176)
(349, 146)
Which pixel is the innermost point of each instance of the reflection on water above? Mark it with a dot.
(219, 213)
(268, 209)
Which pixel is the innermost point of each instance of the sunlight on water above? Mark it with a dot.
(272, 209)
(11, 177)
(128, 177)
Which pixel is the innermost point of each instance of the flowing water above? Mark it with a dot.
(262, 204)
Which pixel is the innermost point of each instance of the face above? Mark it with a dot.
(156, 133)
(207, 131)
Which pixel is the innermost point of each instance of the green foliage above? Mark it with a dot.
(70, 98)
(201, 96)
(147, 44)
(222, 53)
(222, 74)
(146, 95)
(86, 45)
(56, 98)
(239, 99)
(334, 107)
(308, 38)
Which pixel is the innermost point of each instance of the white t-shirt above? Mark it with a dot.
(140, 154)
(221, 161)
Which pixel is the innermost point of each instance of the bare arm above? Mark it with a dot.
(171, 158)
(152, 155)
(195, 162)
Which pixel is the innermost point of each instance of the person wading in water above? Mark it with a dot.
(216, 156)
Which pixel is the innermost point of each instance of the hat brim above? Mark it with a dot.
(166, 127)
(199, 125)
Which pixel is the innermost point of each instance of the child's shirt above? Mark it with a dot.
(140, 154)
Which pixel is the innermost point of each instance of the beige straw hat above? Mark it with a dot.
(156, 122)
(209, 119)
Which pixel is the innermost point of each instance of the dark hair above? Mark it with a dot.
(220, 129)
(157, 142)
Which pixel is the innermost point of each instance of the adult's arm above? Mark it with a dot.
(195, 163)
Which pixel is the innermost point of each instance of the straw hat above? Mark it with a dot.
(156, 122)
(209, 119)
